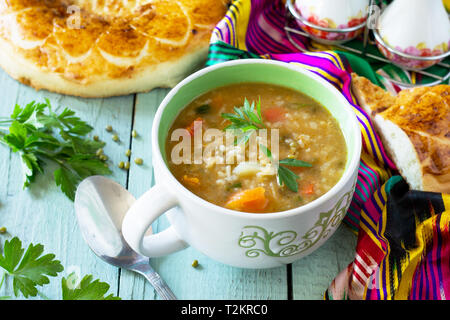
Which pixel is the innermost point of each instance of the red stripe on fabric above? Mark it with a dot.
(363, 269)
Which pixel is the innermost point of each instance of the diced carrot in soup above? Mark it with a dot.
(307, 189)
(195, 125)
(192, 181)
(250, 200)
(306, 131)
(275, 114)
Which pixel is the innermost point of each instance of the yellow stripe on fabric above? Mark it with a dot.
(232, 29)
(338, 58)
(337, 81)
(369, 135)
(320, 71)
(369, 221)
(424, 230)
(242, 11)
(446, 200)
(325, 56)
(386, 254)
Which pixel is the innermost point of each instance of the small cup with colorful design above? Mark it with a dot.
(331, 21)
(414, 34)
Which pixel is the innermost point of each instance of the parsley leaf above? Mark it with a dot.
(245, 118)
(29, 268)
(86, 290)
(41, 135)
(295, 163)
(288, 178)
(266, 151)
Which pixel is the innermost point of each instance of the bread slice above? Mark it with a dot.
(414, 127)
(105, 48)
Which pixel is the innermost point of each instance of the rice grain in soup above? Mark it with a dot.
(306, 132)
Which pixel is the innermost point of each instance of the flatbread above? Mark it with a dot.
(415, 129)
(102, 48)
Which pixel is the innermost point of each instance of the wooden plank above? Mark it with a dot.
(211, 280)
(140, 179)
(312, 275)
(42, 214)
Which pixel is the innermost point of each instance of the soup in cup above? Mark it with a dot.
(255, 164)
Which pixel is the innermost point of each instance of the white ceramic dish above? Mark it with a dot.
(414, 28)
(241, 239)
(331, 21)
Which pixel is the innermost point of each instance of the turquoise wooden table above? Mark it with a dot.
(42, 214)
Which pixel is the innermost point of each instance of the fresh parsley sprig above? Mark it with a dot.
(285, 175)
(86, 289)
(245, 120)
(30, 269)
(41, 135)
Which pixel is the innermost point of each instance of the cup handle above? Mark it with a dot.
(140, 216)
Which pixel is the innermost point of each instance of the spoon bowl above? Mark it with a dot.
(100, 206)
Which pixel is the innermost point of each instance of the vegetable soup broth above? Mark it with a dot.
(307, 132)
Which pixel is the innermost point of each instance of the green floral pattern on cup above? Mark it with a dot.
(259, 241)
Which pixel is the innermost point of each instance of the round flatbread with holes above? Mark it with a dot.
(102, 48)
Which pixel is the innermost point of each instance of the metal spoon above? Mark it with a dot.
(100, 206)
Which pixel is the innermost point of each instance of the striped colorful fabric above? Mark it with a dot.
(255, 29)
(403, 249)
(403, 245)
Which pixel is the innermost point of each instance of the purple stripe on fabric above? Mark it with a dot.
(431, 262)
(437, 260)
(269, 44)
(383, 277)
(371, 205)
(279, 22)
(333, 57)
(414, 287)
(381, 197)
(419, 273)
(233, 28)
(373, 215)
(326, 65)
(370, 140)
(272, 16)
(252, 42)
(220, 32)
(346, 90)
(369, 227)
(426, 280)
(268, 41)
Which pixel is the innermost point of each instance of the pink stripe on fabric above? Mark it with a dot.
(445, 261)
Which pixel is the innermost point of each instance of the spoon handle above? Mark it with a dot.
(155, 280)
